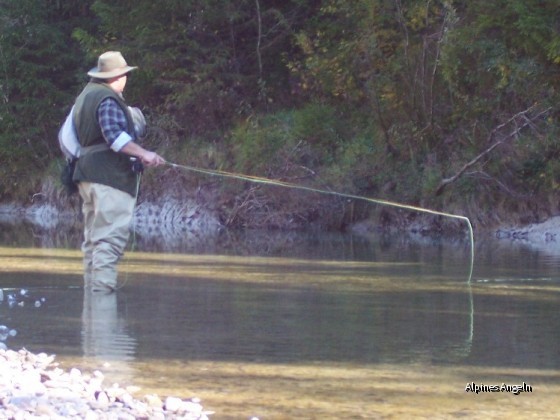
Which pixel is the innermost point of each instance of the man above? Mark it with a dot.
(107, 183)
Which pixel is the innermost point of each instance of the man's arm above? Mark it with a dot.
(113, 123)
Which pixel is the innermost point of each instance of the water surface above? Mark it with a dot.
(294, 325)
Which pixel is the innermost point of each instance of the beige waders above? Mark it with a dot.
(107, 216)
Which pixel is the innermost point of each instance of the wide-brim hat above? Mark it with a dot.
(110, 64)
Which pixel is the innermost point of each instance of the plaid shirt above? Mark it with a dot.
(113, 123)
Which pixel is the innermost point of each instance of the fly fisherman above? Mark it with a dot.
(106, 176)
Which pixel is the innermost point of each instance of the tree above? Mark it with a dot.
(38, 69)
(379, 55)
(203, 63)
(498, 61)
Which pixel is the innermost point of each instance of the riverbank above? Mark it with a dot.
(32, 386)
(173, 217)
(545, 232)
(149, 218)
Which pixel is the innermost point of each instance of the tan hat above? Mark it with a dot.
(110, 64)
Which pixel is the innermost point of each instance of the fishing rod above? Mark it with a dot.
(278, 183)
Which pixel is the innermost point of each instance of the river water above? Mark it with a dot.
(292, 325)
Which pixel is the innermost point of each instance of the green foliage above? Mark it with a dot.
(261, 145)
(37, 73)
(319, 126)
(205, 62)
(382, 58)
(383, 97)
(310, 137)
(508, 62)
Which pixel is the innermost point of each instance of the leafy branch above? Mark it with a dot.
(519, 120)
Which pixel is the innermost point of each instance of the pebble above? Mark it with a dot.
(32, 386)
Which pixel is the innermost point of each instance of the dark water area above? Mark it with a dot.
(252, 316)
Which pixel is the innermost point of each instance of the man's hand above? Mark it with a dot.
(151, 159)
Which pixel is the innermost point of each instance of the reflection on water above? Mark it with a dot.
(104, 333)
(320, 326)
(105, 339)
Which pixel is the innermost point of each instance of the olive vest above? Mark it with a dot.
(102, 166)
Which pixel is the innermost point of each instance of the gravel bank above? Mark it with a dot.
(32, 386)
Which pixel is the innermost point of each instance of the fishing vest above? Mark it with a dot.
(102, 165)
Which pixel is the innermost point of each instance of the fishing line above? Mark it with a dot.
(267, 181)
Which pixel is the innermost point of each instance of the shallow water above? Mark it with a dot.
(300, 326)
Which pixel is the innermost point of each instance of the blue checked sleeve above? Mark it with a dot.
(112, 121)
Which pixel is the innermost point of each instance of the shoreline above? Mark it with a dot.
(188, 215)
(148, 216)
(34, 386)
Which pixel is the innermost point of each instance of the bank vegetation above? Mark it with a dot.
(450, 105)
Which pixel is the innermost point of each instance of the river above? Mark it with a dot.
(293, 325)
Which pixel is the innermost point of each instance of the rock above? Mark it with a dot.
(191, 407)
(173, 404)
(44, 409)
(24, 403)
(153, 401)
(75, 373)
(103, 399)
